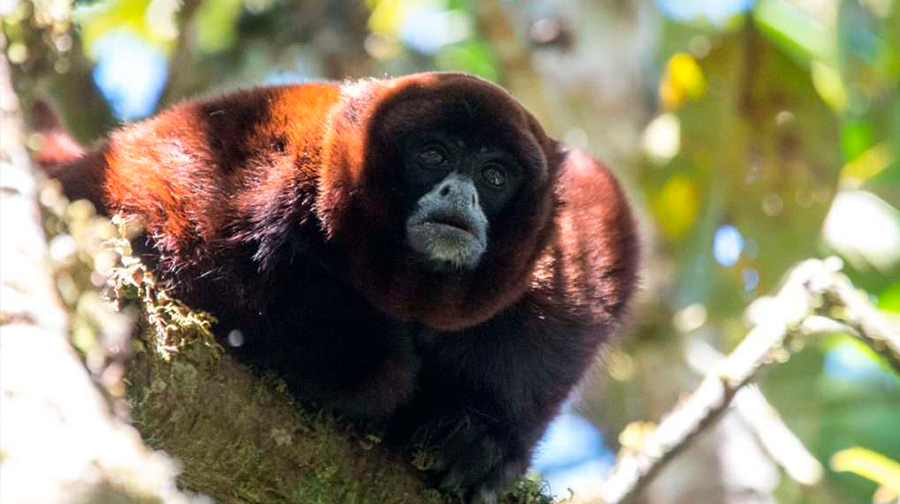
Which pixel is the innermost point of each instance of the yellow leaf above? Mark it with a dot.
(870, 465)
(827, 81)
(683, 81)
(386, 16)
(867, 165)
(676, 206)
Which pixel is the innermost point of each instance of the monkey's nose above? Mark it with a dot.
(459, 191)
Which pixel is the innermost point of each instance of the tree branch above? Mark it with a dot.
(845, 303)
(813, 290)
(782, 445)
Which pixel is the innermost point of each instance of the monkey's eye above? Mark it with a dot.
(494, 175)
(433, 156)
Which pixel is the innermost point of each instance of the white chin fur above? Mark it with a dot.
(443, 243)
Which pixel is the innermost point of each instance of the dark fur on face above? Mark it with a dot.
(413, 250)
(384, 111)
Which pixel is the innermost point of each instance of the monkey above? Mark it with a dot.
(413, 251)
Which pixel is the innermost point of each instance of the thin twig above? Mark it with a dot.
(848, 305)
(782, 445)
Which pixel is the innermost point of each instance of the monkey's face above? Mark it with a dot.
(455, 188)
(450, 185)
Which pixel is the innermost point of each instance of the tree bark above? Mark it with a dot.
(59, 441)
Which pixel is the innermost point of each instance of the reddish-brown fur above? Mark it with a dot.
(238, 191)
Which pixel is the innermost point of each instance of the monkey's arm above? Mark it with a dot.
(485, 397)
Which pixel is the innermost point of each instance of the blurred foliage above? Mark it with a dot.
(769, 133)
(801, 104)
(871, 465)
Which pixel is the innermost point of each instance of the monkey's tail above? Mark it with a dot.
(56, 146)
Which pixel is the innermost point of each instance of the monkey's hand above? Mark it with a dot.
(471, 457)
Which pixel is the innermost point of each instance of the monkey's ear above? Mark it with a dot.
(56, 145)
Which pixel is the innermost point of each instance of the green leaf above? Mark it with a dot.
(152, 21)
(472, 56)
(889, 299)
(217, 24)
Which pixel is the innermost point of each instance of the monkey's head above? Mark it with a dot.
(441, 187)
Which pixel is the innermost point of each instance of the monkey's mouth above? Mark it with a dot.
(446, 240)
(452, 220)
